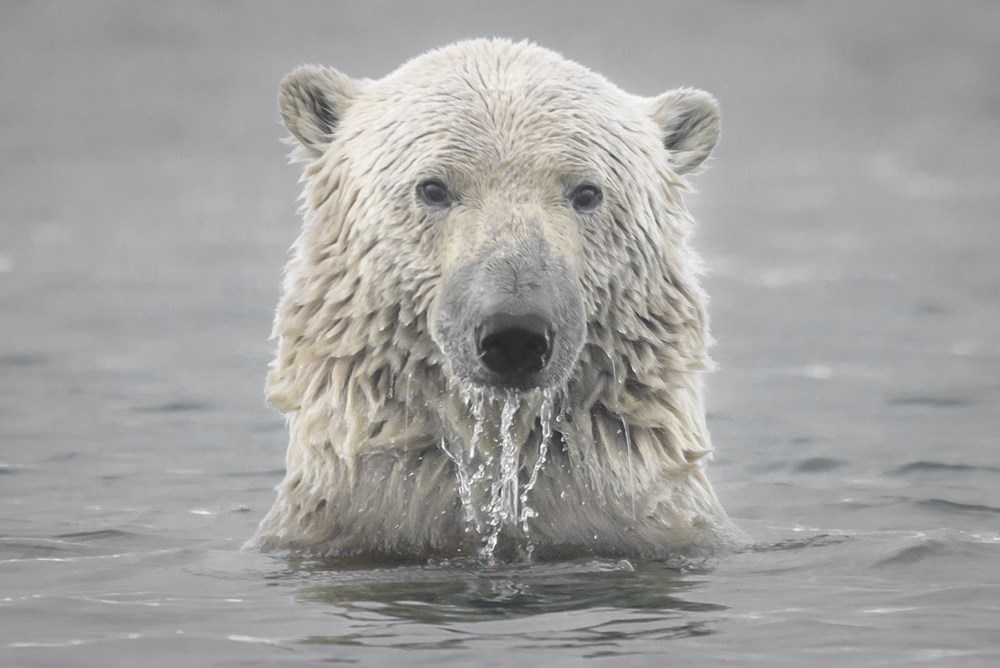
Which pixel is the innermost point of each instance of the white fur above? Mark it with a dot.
(368, 393)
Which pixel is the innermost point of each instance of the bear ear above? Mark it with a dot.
(313, 99)
(689, 123)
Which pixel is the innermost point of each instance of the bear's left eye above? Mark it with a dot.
(434, 193)
(586, 197)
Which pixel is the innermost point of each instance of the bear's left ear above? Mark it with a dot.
(689, 123)
(313, 99)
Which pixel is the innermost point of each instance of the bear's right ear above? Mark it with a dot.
(313, 99)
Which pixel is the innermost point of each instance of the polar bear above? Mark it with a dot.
(492, 334)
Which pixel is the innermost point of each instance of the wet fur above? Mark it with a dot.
(368, 393)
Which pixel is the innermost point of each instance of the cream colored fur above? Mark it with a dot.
(368, 393)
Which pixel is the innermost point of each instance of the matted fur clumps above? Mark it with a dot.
(371, 397)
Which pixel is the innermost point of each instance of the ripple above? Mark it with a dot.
(465, 590)
(930, 548)
(62, 457)
(66, 546)
(946, 548)
(954, 507)
(177, 406)
(16, 549)
(818, 465)
(262, 473)
(818, 540)
(935, 467)
(95, 535)
(22, 360)
(928, 401)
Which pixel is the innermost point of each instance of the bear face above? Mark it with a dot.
(513, 189)
(492, 216)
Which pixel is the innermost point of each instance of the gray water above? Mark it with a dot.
(849, 221)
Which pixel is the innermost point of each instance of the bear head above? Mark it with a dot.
(506, 206)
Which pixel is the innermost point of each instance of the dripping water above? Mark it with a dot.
(508, 460)
(467, 481)
(464, 460)
(527, 512)
(502, 506)
(490, 488)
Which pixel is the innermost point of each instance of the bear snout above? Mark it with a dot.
(511, 319)
(514, 347)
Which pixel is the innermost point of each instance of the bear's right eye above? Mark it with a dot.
(586, 197)
(434, 193)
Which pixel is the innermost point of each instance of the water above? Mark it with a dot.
(546, 417)
(849, 226)
(488, 474)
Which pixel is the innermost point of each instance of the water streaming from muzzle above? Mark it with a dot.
(502, 506)
(468, 478)
(489, 483)
(527, 512)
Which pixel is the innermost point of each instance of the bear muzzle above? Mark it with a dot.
(511, 319)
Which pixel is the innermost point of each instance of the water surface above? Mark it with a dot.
(849, 224)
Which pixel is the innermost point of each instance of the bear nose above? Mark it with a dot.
(514, 346)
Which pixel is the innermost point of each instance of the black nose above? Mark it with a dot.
(514, 346)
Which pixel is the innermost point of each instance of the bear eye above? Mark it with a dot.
(586, 197)
(434, 193)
